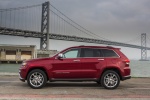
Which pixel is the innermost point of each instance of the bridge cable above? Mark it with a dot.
(18, 8)
(78, 24)
(69, 23)
(133, 40)
(148, 40)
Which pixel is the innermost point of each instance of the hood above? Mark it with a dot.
(39, 59)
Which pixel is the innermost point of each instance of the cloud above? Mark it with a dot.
(116, 20)
(126, 18)
(100, 16)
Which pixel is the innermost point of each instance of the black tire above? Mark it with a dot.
(110, 79)
(98, 82)
(36, 79)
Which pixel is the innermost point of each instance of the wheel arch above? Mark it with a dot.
(37, 67)
(113, 68)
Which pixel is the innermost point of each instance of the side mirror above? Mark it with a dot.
(60, 56)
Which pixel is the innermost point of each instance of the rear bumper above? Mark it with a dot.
(126, 77)
(126, 73)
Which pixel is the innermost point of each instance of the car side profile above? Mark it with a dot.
(105, 65)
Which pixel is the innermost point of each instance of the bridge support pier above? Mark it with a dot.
(143, 49)
(44, 43)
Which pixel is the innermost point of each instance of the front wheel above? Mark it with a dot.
(110, 79)
(36, 79)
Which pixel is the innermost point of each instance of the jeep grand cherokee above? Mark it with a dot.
(102, 64)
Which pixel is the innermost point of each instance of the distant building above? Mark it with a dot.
(19, 53)
(47, 53)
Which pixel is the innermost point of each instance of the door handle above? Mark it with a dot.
(76, 60)
(101, 59)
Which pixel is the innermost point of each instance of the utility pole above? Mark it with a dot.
(44, 43)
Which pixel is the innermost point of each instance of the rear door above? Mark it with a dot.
(91, 62)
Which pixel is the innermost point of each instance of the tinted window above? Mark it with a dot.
(109, 53)
(97, 53)
(71, 53)
(87, 52)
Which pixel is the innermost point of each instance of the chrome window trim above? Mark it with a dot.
(66, 51)
(90, 57)
(102, 57)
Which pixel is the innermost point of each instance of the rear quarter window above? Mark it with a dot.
(109, 53)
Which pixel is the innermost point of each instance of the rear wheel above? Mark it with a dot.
(36, 79)
(110, 79)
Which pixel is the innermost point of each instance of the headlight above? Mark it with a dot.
(24, 63)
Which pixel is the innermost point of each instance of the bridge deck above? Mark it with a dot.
(27, 33)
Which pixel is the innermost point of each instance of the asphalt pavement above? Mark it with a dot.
(133, 89)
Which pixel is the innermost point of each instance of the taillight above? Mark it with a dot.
(127, 62)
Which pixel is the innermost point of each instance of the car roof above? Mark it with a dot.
(83, 46)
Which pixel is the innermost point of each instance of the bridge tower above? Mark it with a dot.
(143, 45)
(44, 43)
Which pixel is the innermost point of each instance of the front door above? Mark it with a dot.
(68, 66)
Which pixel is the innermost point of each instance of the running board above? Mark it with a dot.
(77, 79)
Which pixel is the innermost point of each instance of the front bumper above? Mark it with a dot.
(22, 79)
(20, 76)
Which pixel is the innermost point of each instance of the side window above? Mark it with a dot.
(109, 53)
(71, 53)
(97, 53)
(88, 52)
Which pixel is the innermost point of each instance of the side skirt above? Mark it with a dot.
(77, 79)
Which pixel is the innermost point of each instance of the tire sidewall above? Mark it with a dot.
(102, 79)
(39, 71)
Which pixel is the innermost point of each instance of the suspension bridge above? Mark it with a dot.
(46, 22)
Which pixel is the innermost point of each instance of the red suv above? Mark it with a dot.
(102, 64)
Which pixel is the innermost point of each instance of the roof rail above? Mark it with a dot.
(81, 45)
(109, 46)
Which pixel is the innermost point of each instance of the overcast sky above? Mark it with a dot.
(116, 20)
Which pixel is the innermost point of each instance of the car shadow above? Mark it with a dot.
(72, 84)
